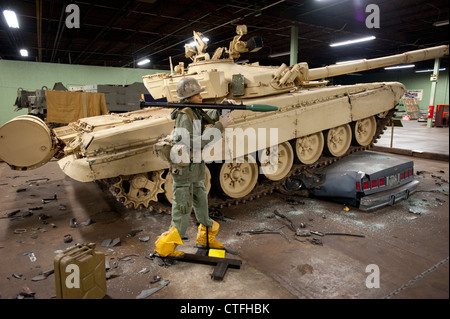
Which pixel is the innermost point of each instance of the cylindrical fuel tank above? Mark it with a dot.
(26, 142)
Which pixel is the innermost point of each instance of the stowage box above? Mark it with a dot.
(80, 273)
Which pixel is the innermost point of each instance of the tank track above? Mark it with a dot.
(265, 186)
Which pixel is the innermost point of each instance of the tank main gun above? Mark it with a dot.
(223, 78)
(364, 65)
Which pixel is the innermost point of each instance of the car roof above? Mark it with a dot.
(369, 162)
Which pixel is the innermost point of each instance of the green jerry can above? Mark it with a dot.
(80, 273)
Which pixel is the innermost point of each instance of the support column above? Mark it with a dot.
(294, 45)
(433, 89)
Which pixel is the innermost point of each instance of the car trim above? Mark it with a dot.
(388, 197)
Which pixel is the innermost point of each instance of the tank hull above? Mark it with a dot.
(127, 147)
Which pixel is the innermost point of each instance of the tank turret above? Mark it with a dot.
(121, 150)
(224, 78)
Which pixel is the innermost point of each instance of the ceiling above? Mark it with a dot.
(119, 33)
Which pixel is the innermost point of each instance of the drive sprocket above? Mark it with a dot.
(140, 189)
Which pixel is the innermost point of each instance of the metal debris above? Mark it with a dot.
(26, 294)
(144, 271)
(47, 200)
(144, 239)
(110, 242)
(43, 216)
(156, 278)
(133, 233)
(414, 212)
(31, 181)
(43, 275)
(276, 212)
(315, 241)
(148, 292)
(11, 214)
(73, 222)
(263, 231)
(67, 238)
(303, 233)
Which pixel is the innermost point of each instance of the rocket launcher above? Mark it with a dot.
(251, 107)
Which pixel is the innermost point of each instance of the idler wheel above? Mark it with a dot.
(309, 148)
(284, 164)
(26, 142)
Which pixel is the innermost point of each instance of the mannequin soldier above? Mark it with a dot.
(188, 181)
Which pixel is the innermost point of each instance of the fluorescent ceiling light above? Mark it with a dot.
(11, 19)
(143, 62)
(351, 61)
(194, 44)
(400, 67)
(352, 41)
(23, 52)
(440, 23)
(430, 70)
(275, 55)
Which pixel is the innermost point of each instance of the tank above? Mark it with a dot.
(315, 125)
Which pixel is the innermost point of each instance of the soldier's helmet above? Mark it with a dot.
(188, 87)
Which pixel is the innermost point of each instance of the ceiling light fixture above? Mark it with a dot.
(430, 70)
(440, 23)
(275, 55)
(11, 19)
(143, 62)
(23, 52)
(352, 41)
(406, 66)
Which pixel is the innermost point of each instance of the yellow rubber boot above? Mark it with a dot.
(166, 243)
(212, 232)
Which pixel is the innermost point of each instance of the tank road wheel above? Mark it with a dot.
(168, 184)
(238, 179)
(338, 140)
(364, 131)
(138, 190)
(284, 165)
(309, 148)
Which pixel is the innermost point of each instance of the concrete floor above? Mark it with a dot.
(408, 242)
(417, 137)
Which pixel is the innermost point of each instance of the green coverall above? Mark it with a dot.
(188, 184)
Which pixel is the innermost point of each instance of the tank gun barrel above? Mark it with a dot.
(350, 67)
(251, 107)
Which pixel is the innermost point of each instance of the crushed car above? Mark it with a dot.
(366, 180)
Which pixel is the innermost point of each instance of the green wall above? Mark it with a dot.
(33, 75)
(412, 81)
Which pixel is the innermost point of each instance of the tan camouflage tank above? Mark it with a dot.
(315, 125)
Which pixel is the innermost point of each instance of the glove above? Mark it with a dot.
(229, 101)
